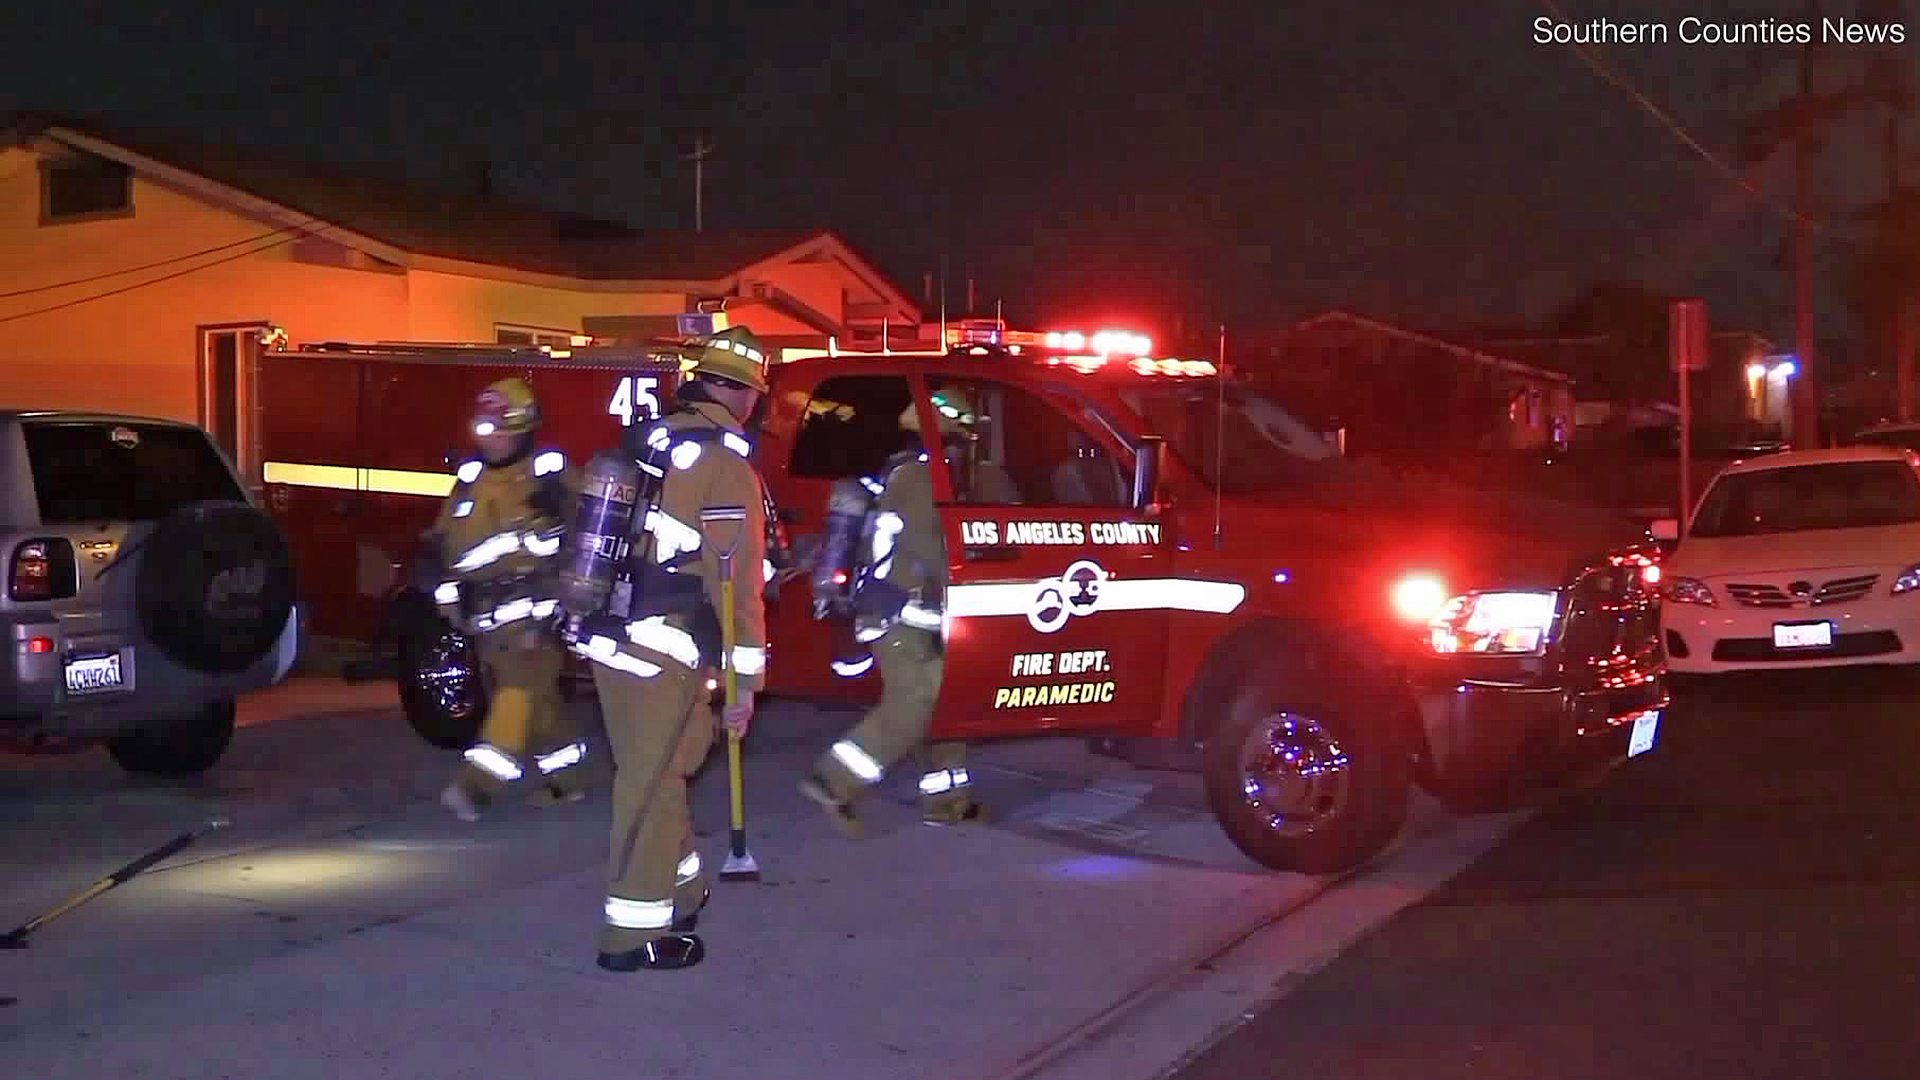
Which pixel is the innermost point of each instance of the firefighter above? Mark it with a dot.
(653, 681)
(496, 535)
(897, 601)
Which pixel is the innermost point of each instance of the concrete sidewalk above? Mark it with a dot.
(419, 947)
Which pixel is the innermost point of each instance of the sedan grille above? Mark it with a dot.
(1836, 591)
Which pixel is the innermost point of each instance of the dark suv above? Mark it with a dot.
(143, 590)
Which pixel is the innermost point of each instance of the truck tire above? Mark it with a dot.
(1306, 769)
(214, 587)
(442, 687)
(179, 745)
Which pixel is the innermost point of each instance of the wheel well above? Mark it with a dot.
(1212, 684)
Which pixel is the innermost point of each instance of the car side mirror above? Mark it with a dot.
(1665, 529)
(1148, 460)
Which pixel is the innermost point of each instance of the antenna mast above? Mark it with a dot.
(1220, 436)
(702, 148)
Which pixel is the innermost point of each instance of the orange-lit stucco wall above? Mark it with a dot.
(817, 285)
(138, 351)
(455, 307)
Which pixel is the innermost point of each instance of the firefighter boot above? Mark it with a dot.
(840, 812)
(553, 794)
(465, 805)
(946, 791)
(669, 953)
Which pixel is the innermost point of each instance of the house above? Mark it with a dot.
(1614, 342)
(141, 275)
(1393, 387)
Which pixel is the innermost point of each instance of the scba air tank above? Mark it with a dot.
(596, 543)
(848, 504)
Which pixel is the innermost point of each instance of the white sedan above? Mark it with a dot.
(1809, 558)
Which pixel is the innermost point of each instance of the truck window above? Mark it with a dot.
(851, 427)
(96, 470)
(1029, 452)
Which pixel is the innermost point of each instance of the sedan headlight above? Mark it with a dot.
(1493, 623)
(1686, 590)
(1908, 580)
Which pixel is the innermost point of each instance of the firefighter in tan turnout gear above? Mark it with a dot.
(495, 537)
(897, 604)
(698, 511)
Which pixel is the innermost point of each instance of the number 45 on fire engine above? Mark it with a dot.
(635, 393)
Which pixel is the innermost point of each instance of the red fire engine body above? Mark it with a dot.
(1189, 576)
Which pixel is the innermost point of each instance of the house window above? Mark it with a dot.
(84, 189)
(509, 334)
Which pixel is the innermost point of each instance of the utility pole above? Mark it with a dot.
(702, 148)
(1805, 392)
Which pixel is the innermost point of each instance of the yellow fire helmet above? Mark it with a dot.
(952, 405)
(507, 405)
(733, 354)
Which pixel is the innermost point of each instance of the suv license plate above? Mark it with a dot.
(94, 674)
(1807, 635)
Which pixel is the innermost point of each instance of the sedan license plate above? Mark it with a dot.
(1806, 635)
(94, 674)
(1645, 726)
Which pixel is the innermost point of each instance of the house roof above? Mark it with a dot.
(450, 223)
(1432, 340)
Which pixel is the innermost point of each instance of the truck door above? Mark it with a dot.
(1059, 597)
(844, 427)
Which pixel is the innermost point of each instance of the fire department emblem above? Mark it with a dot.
(1075, 592)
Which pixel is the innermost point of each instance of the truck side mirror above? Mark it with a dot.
(1148, 458)
(1665, 529)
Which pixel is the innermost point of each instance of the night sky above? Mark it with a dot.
(1086, 159)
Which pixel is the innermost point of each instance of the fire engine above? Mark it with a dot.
(359, 444)
(1189, 577)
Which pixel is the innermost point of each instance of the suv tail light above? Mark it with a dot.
(42, 570)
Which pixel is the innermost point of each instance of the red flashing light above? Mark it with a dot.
(839, 577)
(1104, 343)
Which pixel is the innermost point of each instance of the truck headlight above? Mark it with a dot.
(1686, 590)
(1493, 623)
(1908, 580)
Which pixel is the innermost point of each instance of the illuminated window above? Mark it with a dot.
(84, 189)
(509, 334)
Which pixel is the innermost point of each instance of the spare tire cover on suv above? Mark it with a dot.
(215, 586)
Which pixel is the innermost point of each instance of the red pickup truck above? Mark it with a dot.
(1186, 575)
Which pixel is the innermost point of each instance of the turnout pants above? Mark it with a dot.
(911, 668)
(661, 728)
(526, 732)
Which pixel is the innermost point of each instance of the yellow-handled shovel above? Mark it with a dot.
(740, 864)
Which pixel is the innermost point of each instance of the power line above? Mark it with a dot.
(1686, 137)
(157, 264)
(153, 281)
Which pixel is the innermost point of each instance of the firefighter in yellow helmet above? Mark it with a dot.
(496, 535)
(897, 601)
(706, 515)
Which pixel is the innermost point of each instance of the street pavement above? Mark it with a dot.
(1745, 902)
(345, 925)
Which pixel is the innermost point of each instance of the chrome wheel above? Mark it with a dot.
(441, 686)
(445, 674)
(1294, 775)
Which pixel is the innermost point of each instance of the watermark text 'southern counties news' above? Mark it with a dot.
(1693, 30)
